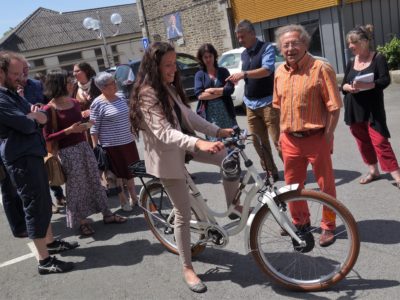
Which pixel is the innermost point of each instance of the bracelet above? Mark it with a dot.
(219, 129)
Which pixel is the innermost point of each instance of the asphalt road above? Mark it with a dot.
(126, 262)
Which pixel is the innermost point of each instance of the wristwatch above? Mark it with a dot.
(245, 74)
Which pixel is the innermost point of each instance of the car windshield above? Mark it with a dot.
(230, 61)
(186, 62)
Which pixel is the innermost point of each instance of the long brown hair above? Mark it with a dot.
(149, 75)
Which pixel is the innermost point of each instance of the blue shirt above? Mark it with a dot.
(20, 135)
(267, 62)
(33, 91)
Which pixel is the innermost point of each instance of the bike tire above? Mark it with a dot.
(321, 267)
(160, 207)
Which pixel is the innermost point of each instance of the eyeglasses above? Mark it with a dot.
(293, 44)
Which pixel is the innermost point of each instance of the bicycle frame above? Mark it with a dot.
(208, 217)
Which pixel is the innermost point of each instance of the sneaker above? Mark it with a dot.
(126, 207)
(55, 266)
(58, 246)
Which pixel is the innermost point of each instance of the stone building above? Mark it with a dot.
(53, 40)
(327, 21)
(200, 21)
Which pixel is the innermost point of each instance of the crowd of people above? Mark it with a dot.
(297, 106)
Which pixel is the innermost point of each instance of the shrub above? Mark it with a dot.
(391, 51)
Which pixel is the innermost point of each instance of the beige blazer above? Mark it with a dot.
(164, 145)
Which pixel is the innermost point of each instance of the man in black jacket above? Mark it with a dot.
(258, 66)
(22, 150)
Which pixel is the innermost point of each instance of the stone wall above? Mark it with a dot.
(203, 21)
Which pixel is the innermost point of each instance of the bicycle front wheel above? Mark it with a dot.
(311, 268)
(158, 213)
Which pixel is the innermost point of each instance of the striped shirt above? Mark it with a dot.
(112, 124)
(305, 94)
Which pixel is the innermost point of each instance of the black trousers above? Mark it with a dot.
(29, 177)
(13, 207)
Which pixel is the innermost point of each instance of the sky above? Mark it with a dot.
(15, 11)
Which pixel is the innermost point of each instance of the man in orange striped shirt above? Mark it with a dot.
(306, 93)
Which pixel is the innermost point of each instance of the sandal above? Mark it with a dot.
(61, 201)
(86, 229)
(114, 218)
(369, 178)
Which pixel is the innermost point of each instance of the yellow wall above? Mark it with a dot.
(261, 10)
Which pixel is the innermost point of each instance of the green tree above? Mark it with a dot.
(8, 31)
(391, 51)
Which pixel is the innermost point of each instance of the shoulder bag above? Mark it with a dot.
(52, 163)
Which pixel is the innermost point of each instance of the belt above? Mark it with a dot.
(306, 133)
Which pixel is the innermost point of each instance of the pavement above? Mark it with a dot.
(127, 262)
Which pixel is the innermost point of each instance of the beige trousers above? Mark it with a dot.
(178, 191)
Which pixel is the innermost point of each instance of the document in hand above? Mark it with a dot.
(367, 78)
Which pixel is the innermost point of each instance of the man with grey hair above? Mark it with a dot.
(306, 93)
(258, 65)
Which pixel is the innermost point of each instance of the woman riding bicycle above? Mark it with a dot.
(159, 109)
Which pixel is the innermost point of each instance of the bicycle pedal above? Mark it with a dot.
(168, 230)
(233, 216)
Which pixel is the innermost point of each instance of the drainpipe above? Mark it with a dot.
(142, 19)
(345, 53)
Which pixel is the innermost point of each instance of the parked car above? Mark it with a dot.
(232, 61)
(125, 74)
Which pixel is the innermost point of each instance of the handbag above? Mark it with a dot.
(103, 162)
(2, 173)
(52, 163)
(54, 170)
(201, 108)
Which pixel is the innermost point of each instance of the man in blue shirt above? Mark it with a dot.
(22, 150)
(258, 66)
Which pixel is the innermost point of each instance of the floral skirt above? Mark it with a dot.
(84, 193)
(217, 114)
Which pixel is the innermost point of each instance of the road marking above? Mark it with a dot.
(33, 253)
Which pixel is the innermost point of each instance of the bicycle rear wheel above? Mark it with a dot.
(313, 269)
(158, 213)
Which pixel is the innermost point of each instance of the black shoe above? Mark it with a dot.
(21, 235)
(58, 246)
(299, 227)
(55, 266)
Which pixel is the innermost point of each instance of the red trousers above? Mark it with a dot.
(297, 154)
(374, 147)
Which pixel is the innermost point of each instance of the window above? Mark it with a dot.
(116, 59)
(68, 68)
(114, 49)
(98, 52)
(230, 61)
(100, 63)
(70, 57)
(36, 63)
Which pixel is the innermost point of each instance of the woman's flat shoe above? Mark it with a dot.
(86, 229)
(369, 178)
(114, 218)
(199, 287)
